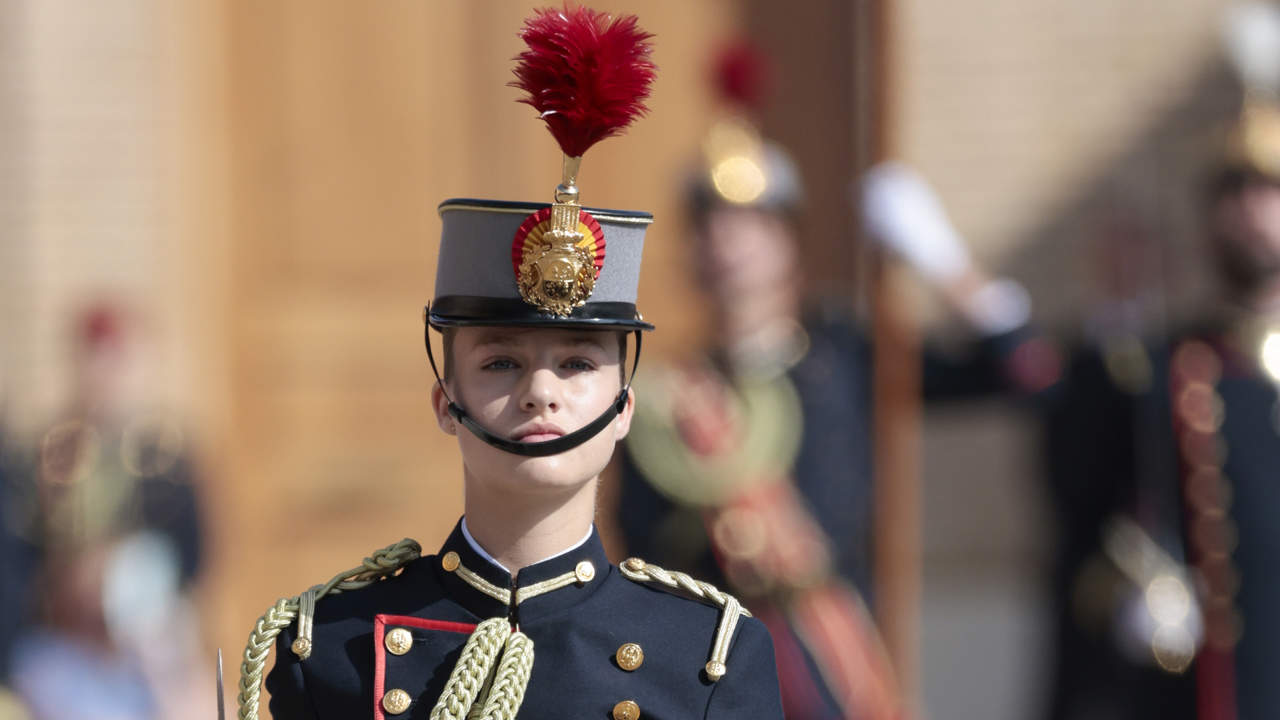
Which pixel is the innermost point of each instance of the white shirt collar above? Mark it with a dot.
(493, 561)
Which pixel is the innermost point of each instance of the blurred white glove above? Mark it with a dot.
(901, 212)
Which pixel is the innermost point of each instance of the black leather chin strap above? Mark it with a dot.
(538, 449)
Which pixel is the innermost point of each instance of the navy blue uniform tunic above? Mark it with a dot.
(576, 632)
(1114, 450)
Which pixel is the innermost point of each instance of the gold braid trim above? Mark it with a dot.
(730, 609)
(546, 586)
(375, 567)
(470, 677)
(503, 595)
(500, 594)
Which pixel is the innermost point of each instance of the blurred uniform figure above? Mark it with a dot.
(17, 557)
(110, 510)
(750, 460)
(1164, 457)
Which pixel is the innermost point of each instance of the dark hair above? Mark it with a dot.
(446, 343)
(447, 336)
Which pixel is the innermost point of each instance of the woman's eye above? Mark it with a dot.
(579, 364)
(499, 364)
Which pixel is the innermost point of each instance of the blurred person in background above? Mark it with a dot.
(751, 460)
(1163, 458)
(1164, 454)
(16, 560)
(111, 509)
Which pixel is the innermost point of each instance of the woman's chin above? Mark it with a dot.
(532, 476)
(555, 473)
(514, 474)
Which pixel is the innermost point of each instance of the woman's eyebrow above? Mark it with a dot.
(495, 337)
(586, 340)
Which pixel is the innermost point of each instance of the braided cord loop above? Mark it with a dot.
(512, 679)
(475, 675)
(479, 655)
(378, 565)
(730, 609)
(263, 636)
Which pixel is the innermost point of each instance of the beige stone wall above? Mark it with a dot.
(92, 159)
(1029, 116)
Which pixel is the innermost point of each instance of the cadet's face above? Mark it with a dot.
(744, 251)
(531, 386)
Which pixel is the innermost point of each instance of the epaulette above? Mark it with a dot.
(380, 564)
(681, 584)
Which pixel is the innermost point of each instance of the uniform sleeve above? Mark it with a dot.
(750, 686)
(287, 683)
(1092, 447)
(1018, 362)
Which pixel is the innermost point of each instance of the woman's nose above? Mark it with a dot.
(540, 391)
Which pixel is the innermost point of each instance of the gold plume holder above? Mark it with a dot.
(567, 197)
(559, 275)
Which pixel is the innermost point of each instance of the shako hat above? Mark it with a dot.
(558, 264)
(555, 264)
(1252, 43)
(1253, 143)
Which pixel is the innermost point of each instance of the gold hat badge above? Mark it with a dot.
(559, 251)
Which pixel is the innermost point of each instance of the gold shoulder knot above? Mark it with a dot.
(380, 564)
(679, 583)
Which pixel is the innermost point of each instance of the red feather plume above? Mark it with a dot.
(586, 73)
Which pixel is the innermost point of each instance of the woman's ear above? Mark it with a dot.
(622, 425)
(440, 403)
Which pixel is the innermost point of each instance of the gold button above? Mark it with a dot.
(715, 670)
(585, 571)
(630, 656)
(626, 710)
(301, 647)
(450, 561)
(635, 564)
(398, 641)
(396, 701)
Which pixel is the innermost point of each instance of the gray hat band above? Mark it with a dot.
(475, 264)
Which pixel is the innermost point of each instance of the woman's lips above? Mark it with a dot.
(539, 437)
(540, 432)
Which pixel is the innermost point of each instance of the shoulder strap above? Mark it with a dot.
(380, 564)
(672, 581)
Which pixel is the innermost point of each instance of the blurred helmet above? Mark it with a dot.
(737, 166)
